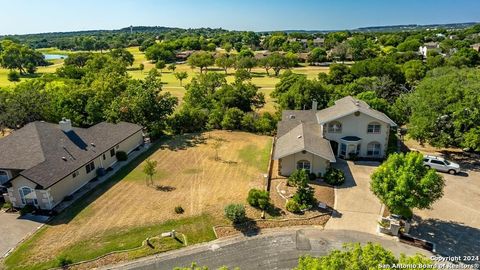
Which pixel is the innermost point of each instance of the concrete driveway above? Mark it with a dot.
(14, 228)
(356, 207)
(453, 223)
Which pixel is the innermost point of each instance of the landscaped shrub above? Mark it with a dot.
(258, 198)
(27, 209)
(298, 178)
(235, 213)
(334, 176)
(292, 206)
(179, 209)
(121, 155)
(305, 197)
(312, 176)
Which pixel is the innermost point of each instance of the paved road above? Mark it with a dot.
(14, 228)
(273, 250)
(356, 206)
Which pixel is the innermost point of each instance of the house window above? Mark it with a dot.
(112, 152)
(335, 127)
(3, 177)
(28, 196)
(303, 164)
(104, 157)
(75, 174)
(90, 167)
(373, 149)
(373, 128)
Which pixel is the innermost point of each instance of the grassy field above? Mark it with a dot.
(121, 213)
(171, 84)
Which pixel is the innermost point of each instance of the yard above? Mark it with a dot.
(124, 211)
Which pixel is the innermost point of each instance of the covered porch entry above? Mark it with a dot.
(349, 147)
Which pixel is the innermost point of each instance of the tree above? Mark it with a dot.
(354, 256)
(340, 52)
(201, 59)
(409, 45)
(124, 55)
(141, 67)
(160, 51)
(235, 213)
(172, 67)
(445, 108)
(181, 76)
(465, 57)
(150, 169)
(278, 62)
(317, 55)
(16, 56)
(216, 145)
(402, 182)
(13, 76)
(160, 65)
(414, 71)
(298, 178)
(232, 119)
(225, 62)
(258, 198)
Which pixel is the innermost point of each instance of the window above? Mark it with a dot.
(304, 164)
(437, 162)
(90, 167)
(112, 152)
(374, 128)
(3, 177)
(104, 157)
(373, 149)
(335, 127)
(75, 174)
(343, 150)
(28, 196)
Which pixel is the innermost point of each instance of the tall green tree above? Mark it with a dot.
(201, 59)
(402, 183)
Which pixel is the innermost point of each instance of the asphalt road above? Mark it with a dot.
(274, 250)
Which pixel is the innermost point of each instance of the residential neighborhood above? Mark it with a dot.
(218, 135)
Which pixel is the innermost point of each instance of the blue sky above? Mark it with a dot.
(36, 16)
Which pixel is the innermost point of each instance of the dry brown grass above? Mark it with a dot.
(188, 175)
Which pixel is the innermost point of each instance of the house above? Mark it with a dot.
(312, 139)
(319, 42)
(423, 50)
(42, 163)
(476, 47)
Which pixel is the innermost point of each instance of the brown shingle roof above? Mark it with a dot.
(44, 145)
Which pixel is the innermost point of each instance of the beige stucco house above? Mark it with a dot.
(312, 139)
(42, 163)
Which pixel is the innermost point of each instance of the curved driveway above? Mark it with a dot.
(277, 249)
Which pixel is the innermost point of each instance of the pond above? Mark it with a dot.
(49, 56)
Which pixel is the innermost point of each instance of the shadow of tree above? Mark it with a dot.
(248, 228)
(274, 211)
(165, 188)
(183, 142)
(451, 238)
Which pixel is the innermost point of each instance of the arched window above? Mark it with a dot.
(28, 196)
(374, 127)
(303, 164)
(373, 149)
(335, 127)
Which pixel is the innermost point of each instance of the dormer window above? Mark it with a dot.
(335, 127)
(374, 128)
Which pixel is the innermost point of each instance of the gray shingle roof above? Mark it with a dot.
(303, 137)
(39, 148)
(349, 105)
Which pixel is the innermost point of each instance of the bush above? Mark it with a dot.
(7, 206)
(13, 76)
(258, 198)
(179, 210)
(312, 176)
(235, 213)
(63, 261)
(232, 119)
(121, 155)
(305, 197)
(298, 178)
(27, 209)
(334, 177)
(292, 206)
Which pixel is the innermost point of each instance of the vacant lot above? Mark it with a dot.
(124, 211)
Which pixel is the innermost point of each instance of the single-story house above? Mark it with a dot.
(42, 163)
(312, 139)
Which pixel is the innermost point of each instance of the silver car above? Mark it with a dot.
(441, 164)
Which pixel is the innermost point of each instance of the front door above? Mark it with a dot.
(343, 150)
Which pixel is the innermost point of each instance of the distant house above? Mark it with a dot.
(476, 47)
(312, 139)
(423, 50)
(182, 56)
(42, 163)
(319, 42)
(261, 54)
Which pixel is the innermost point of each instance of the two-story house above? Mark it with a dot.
(312, 139)
(42, 163)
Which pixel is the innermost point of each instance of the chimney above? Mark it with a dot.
(314, 105)
(65, 125)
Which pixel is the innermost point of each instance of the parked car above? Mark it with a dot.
(441, 164)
